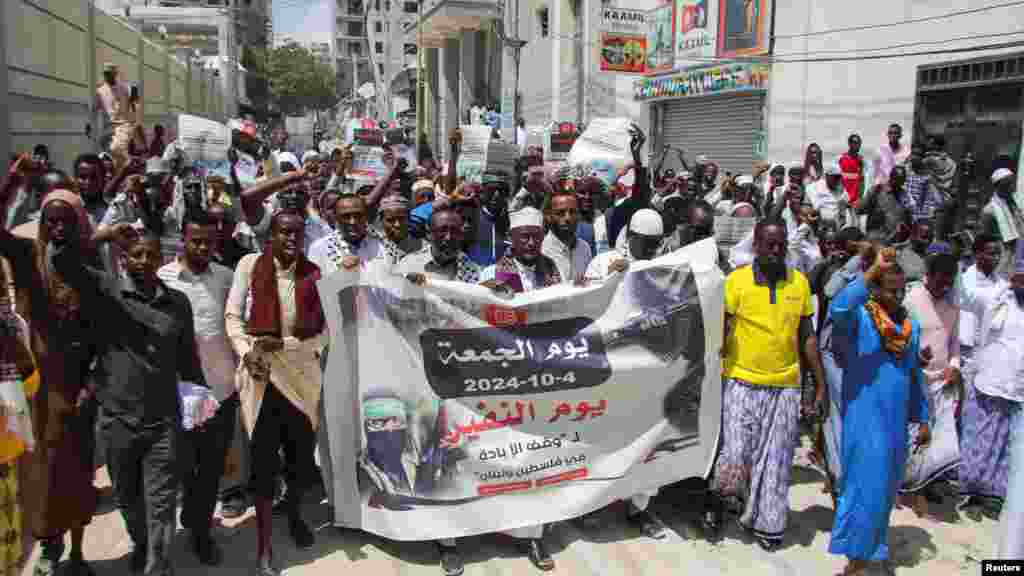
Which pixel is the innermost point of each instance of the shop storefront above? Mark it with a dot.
(978, 106)
(717, 111)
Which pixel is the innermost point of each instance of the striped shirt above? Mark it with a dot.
(922, 198)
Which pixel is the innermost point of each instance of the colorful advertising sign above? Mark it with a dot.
(743, 27)
(696, 25)
(703, 81)
(623, 40)
(660, 39)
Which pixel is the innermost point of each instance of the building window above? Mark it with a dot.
(378, 27)
(355, 29)
(411, 49)
(355, 7)
(387, 5)
(376, 5)
(380, 68)
(410, 7)
(542, 20)
(378, 47)
(355, 48)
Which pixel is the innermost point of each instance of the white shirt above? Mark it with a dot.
(973, 279)
(600, 234)
(571, 262)
(208, 294)
(999, 363)
(328, 252)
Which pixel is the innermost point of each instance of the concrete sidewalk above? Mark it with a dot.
(929, 547)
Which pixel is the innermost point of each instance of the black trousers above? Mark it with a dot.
(144, 468)
(281, 425)
(203, 455)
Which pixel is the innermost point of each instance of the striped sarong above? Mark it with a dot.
(759, 438)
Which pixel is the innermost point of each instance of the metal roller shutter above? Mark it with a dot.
(723, 128)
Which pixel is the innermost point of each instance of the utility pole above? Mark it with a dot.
(581, 50)
(587, 69)
(516, 44)
(421, 82)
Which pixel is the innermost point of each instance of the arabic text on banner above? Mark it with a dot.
(602, 150)
(447, 402)
(205, 143)
(202, 139)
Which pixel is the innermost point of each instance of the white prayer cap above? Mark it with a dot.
(647, 222)
(310, 155)
(744, 180)
(528, 216)
(1001, 174)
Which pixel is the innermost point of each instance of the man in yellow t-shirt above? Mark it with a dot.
(768, 333)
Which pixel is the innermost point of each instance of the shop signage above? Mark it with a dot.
(661, 39)
(696, 23)
(743, 27)
(623, 40)
(681, 33)
(703, 81)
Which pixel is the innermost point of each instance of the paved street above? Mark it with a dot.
(919, 547)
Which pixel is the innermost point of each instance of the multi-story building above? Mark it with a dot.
(372, 47)
(470, 57)
(322, 52)
(392, 54)
(351, 50)
(203, 28)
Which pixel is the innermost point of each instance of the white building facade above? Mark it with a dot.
(975, 99)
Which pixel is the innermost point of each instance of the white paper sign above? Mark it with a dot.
(602, 150)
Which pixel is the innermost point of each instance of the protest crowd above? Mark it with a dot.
(146, 299)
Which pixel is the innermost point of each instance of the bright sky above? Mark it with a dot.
(309, 20)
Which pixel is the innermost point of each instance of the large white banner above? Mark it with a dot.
(451, 411)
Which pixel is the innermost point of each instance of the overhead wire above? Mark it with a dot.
(901, 22)
(812, 55)
(768, 59)
(903, 45)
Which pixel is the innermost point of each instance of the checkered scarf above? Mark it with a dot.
(338, 248)
(466, 270)
(392, 249)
